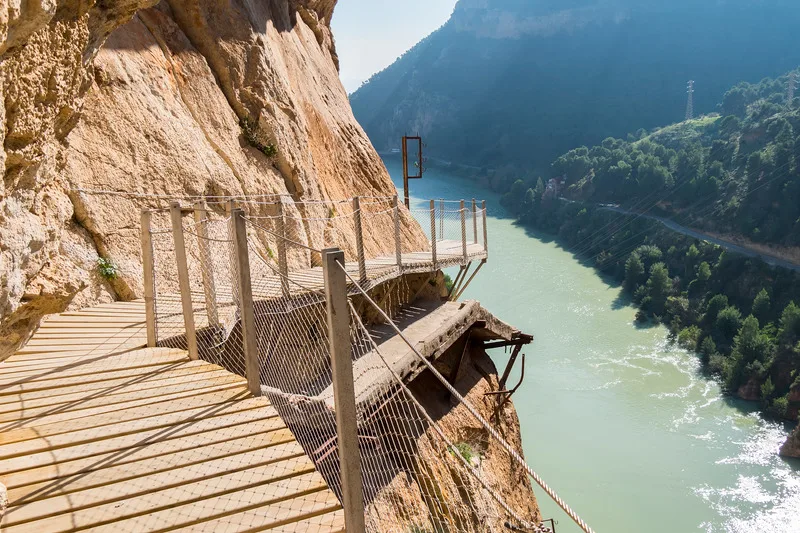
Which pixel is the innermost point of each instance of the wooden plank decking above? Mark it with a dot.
(98, 433)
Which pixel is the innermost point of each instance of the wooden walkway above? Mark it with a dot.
(98, 433)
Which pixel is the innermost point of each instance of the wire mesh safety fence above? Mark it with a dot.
(457, 230)
(513, 455)
(406, 457)
(412, 474)
(290, 235)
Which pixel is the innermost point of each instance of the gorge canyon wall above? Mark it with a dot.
(136, 96)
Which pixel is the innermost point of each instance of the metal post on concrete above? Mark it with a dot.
(149, 278)
(344, 389)
(485, 229)
(246, 310)
(433, 233)
(283, 263)
(475, 220)
(463, 211)
(176, 214)
(206, 264)
(398, 246)
(362, 263)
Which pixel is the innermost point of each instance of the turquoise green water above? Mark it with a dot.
(621, 423)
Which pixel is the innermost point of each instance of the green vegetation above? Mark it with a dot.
(257, 138)
(107, 268)
(464, 450)
(738, 174)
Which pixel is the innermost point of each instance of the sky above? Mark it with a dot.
(371, 34)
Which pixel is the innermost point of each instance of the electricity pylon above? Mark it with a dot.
(690, 102)
(792, 87)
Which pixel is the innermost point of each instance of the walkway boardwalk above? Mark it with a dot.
(97, 432)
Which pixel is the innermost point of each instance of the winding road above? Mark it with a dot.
(727, 245)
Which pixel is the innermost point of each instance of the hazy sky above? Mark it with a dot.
(371, 34)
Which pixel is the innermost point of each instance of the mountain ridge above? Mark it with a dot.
(523, 99)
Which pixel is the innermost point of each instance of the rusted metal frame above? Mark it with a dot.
(406, 175)
(509, 393)
(505, 344)
(474, 273)
(510, 365)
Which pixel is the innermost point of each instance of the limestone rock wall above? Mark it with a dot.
(128, 96)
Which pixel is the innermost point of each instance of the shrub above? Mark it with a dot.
(717, 364)
(779, 407)
(107, 268)
(257, 138)
(688, 337)
(464, 450)
(448, 282)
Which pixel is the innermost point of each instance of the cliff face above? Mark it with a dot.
(159, 105)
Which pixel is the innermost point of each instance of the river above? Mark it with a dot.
(618, 420)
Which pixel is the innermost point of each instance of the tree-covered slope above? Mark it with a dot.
(517, 82)
(734, 172)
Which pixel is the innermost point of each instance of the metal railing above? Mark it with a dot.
(189, 266)
(260, 296)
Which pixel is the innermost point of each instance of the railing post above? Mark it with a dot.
(247, 313)
(433, 233)
(485, 230)
(283, 263)
(463, 211)
(398, 246)
(362, 263)
(344, 389)
(230, 205)
(149, 279)
(176, 215)
(206, 265)
(475, 220)
(442, 211)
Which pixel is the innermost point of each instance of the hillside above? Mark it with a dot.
(735, 172)
(511, 82)
(738, 174)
